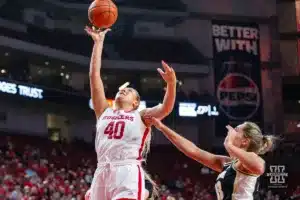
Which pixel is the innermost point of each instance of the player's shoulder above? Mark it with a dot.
(137, 113)
(228, 164)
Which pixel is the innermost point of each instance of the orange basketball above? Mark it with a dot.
(103, 13)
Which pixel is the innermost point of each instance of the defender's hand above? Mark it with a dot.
(152, 121)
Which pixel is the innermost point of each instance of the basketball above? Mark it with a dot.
(103, 13)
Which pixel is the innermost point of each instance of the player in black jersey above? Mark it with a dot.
(238, 178)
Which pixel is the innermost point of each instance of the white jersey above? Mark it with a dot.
(233, 184)
(120, 136)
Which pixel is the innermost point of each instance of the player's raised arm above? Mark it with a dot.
(162, 110)
(215, 162)
(96, 84)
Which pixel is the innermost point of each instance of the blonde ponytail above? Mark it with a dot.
(259, 143)
(267, 144)
(146, 150)
(155, 192)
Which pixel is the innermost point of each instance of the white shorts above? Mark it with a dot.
(117, 181)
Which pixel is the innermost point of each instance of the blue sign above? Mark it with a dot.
(194, 110)
(21, 90)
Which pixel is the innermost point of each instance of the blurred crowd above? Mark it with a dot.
(38, 169)
(27, 174)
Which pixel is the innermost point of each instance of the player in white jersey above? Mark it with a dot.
(238, 178)
(149, 190)
(121, 132)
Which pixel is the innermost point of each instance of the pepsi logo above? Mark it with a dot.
(238, 96)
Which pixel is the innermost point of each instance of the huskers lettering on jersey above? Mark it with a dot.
(233, 184)
(123, 117)
(120, 136)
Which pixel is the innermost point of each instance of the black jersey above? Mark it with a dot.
(233, 184)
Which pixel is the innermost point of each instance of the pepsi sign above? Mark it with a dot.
(236, 92)
(237, 73)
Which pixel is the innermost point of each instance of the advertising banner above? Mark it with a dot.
(237, 70)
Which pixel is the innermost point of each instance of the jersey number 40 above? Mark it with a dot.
(115, 130)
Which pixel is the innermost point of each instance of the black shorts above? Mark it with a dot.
(149, 187)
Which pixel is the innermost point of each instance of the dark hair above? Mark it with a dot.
(259, 143)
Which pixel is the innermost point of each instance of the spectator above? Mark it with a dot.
(36, 175)
(16, 194)
(179, 183)
(297, 191)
